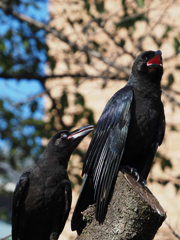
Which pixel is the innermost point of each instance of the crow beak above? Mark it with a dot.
(81, 132)
(156, 61)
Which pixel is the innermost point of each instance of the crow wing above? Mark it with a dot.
(19, 192)
(67, 206)
(104, 155)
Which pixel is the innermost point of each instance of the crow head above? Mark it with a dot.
(63, 143)
(149, 65)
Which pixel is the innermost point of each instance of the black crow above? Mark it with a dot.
(42, 198)
(128, 133)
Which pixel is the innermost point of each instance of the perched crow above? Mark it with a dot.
(128, 133)
(42, 198)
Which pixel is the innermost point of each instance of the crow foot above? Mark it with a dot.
(134, 173)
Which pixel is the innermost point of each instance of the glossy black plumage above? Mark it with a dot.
(128, 132)
(42, 198)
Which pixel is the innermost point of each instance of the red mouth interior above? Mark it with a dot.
(155, 60)
(79, 132)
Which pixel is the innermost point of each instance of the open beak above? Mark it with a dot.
(81, 132)
(156, 61)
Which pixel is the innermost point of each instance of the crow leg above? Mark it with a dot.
(134, 173)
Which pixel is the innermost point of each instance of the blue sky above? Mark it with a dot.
(5, 229)
(18, 91)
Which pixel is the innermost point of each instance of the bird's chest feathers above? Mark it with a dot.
(47, 188)
(144, 118)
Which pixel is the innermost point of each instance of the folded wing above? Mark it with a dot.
(19, 192)
(106, 149)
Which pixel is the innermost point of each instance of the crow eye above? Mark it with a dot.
(63, 135)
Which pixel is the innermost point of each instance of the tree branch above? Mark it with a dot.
(117, 44)
(54, 106)
(4, 238)
(43, 78)
(63, 38)
(29, 99)
(133, 213)
(173, 232)
(172, 99)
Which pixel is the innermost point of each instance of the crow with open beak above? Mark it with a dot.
(42, 198)
(128, 133)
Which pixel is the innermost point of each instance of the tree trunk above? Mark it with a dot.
(133, 213)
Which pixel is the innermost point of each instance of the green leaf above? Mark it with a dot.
(34, 106)
(2, 46)
(157, 41)
(88, 58)
(150, 179)
(64, 101)
(67, 63)
(170, 80)
(99, 21)
(86, 5)
(176, 45)
(126, 22)
(122, 42)
(46, 47)
(72, 185)
(165, 163)
(52, 64)
(74, 48)
(140, 3)
(26, 44)
(163, 182)
(177, 187)
(173, 128)
(8, 34)
(76, 80)
(100, 6)
(168, 29)
(52, 120)
(144, 18)
(36, 5)
(95, 45)
(71, 23)
(178, 67)
(39, 45)
(79, 99)
(80, 180)
(80, 21)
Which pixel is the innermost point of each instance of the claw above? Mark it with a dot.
(143, 181)
(135, 173)
(137, 176)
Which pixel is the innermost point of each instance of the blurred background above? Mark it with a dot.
(60, 62)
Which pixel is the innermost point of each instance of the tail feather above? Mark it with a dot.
(86, 197)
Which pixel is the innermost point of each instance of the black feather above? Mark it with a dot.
(128, 132)
(42, 198)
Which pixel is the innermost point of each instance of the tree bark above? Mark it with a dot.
(133, 213)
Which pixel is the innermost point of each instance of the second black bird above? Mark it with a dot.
(128, 132)
(42, 198)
